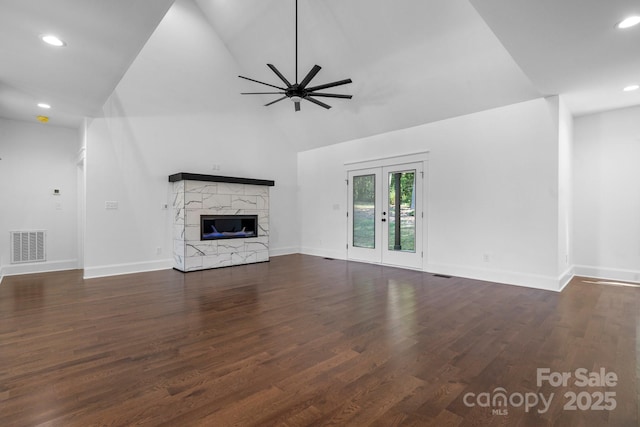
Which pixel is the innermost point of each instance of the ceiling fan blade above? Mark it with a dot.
(279, 74)
(310, 76)
(315, 101)
(331, 95)
(328, 85)
(297, 106)
(262, 93)
(277, 100)
(262, 83)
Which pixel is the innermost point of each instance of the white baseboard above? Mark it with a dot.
(548, 283)
(283, 251)
(38, 267)
(605, 273)
(129, 268)
(324, 253)
(536, 281)
(565, 278)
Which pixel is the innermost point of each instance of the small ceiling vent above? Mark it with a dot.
(27, 246)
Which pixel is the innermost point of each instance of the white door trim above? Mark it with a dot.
(379, 162)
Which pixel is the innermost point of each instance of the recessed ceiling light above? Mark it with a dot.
(52, 40)
(628, 22)
(43, 105)
(631, 88)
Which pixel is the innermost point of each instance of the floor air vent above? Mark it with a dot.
(27, 246)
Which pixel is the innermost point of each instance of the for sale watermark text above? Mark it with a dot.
(585, 400)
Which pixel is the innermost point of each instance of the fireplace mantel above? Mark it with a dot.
(185, 176)
(197, 196)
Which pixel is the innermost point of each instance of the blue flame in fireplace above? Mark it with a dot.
(216, 234)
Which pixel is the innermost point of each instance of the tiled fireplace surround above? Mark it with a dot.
(195, 195)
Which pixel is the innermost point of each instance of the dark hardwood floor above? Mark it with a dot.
(308, 341)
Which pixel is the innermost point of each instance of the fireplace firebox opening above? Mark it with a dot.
(214, 227)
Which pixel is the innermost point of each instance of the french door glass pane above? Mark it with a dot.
(402, 219)
(364, 211)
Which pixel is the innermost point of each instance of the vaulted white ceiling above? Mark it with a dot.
(103, 38)
(411, 61)
(572, 48)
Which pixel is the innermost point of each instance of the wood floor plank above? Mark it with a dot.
(303, 341)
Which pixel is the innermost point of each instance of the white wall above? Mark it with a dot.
(492, 189)
(607, 195)
(165, 117)
(565, 193)
(36, 159)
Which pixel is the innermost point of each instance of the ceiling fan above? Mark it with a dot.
(298, 91)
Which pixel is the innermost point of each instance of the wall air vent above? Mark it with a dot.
(27, 246)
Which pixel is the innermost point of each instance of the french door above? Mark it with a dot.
(385, 215)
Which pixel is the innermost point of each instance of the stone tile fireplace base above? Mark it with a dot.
(195, 195)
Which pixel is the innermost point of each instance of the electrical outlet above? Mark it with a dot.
(158, 251)
(486, 257)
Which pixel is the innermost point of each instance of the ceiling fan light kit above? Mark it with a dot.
(299, 90)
